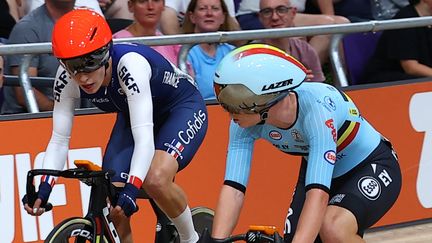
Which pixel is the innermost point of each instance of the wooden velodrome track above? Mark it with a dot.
(414, 232)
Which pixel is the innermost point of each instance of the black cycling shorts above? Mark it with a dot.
(368, 191)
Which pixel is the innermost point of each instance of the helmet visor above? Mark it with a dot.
(237, 98)
(87, 63)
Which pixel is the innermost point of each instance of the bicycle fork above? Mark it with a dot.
(110, 226)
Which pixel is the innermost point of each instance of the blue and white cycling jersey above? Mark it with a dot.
(146, 88)
(329, 131)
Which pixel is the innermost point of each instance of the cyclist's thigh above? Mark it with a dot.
(119, 150)
(370, 189)
(183, 131)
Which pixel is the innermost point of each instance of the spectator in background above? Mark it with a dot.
(204, 16)
(175, 12)
(31, 5)
(357, 10)
(248, 18)
(115, 9)
(33, 28)
(281, 14)
(147, 14)
(403, 53)
(7, 19)
(16, 9)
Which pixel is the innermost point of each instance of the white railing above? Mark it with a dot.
(229, 36)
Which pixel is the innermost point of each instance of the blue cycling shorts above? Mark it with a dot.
(179, 132)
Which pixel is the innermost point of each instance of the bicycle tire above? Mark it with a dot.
(202, 218)
(79, 230)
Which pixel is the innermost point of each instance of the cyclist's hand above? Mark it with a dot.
(127, 200)
(37, 207)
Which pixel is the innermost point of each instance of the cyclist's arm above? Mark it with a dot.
(139, 98)
(320, 129)
(312, 215)
(64, 105)
(65, 92)
(237, 173)
(227, 212)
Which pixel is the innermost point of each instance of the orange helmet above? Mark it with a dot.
(82, 40)
(79, 32)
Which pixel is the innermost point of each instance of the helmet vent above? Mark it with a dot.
(93, 34)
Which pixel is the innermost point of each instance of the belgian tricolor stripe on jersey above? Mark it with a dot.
(346, 134)
(345, 96)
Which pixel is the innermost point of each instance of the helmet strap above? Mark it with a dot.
(106, 67)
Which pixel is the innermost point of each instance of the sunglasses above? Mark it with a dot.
(87, 63)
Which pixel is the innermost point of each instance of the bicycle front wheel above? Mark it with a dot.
(202, 219)
(78, 230)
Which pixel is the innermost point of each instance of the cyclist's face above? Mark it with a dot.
(91, 82)
(245, 119)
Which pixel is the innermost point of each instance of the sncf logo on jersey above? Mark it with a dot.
(193, 127)
(330, 156)
(329, 124)
(128, 80)
(277, 85)
(171, 78)
(175, 149)
(59, 85)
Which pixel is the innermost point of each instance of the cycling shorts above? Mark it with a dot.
(368, 191)
(178, 132)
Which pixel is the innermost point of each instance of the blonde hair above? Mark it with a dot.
(189, 27)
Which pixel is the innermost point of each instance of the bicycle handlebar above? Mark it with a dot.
(79, 173)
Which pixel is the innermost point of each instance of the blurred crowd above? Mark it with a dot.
(395, 57)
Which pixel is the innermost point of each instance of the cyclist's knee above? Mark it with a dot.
(337, 228)
(156, 182)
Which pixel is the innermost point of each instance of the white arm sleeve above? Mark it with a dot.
(140, 104)
(66, 91)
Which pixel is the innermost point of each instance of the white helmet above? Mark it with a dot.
(254, 77)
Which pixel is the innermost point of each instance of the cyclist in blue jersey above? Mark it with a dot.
(349, 177)
(161, 117)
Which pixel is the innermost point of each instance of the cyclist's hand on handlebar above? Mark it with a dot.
(36, 210)
(127, 200)
(36, 206)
